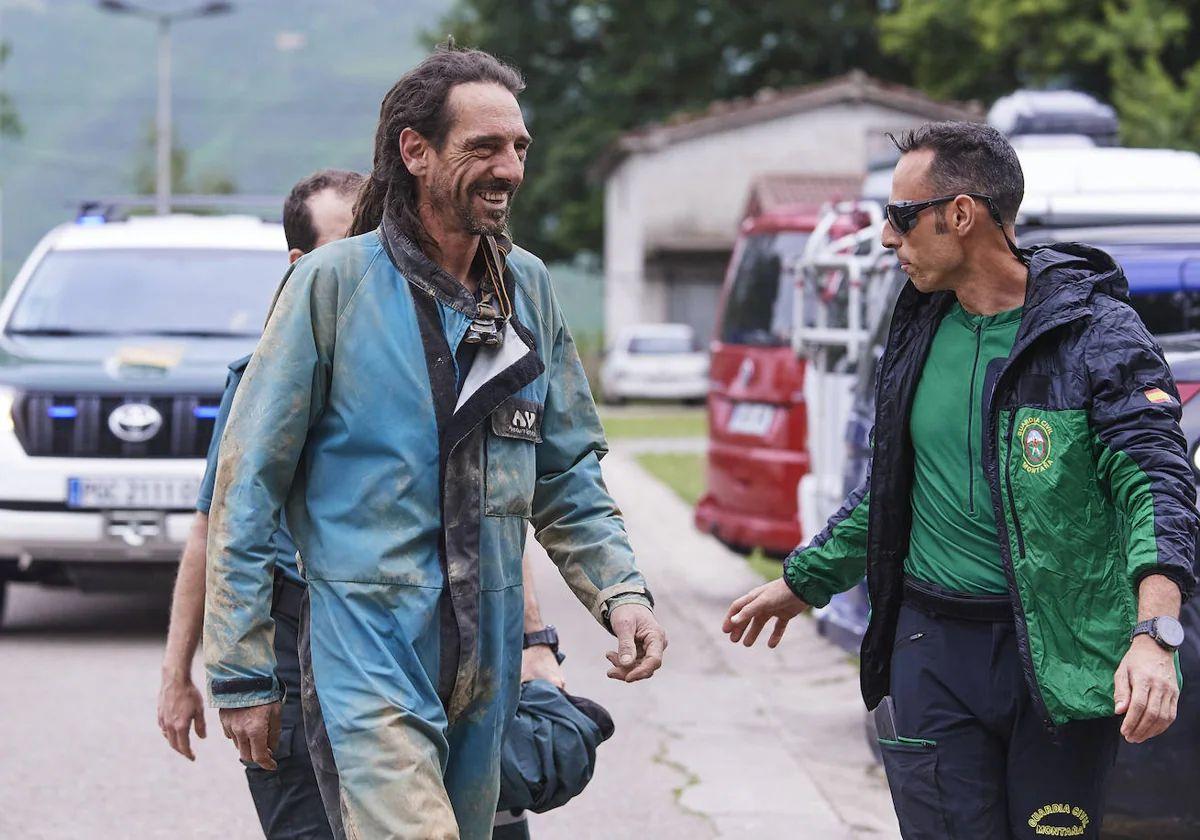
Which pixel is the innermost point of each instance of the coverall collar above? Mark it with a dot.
(424, 273)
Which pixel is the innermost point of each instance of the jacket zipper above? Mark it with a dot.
(971, 423)
(1012, 504)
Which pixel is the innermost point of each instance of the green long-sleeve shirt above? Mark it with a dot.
(954, 542)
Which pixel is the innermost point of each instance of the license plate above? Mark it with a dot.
(158, 493)
(752, 419)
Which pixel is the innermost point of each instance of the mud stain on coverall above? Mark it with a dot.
(414, 804)
(226, 605)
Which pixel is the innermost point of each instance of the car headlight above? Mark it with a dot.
(6, 410)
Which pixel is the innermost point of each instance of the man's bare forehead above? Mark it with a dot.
(482, 111)
(910, 179)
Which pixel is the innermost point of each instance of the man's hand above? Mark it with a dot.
(180, 706)
(1145, 690)
(640, 643)
(539, 663)
(255, 731)
(749, 614)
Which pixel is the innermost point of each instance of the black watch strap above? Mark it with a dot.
(1141, 628)
(548, 636)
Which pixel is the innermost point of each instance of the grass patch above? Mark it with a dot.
(768, 568)
(654, 423)
(683, 472)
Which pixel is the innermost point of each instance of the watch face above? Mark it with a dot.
(1169, 631)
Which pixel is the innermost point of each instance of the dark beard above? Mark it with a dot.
(493, 223)
(490, 223)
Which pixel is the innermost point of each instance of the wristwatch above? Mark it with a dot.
(1165, 630)
(547, 636)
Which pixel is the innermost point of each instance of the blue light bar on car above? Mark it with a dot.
(92, 213)
(206, 412)
(62, 412)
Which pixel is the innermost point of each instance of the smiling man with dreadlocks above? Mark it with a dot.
(415, 399)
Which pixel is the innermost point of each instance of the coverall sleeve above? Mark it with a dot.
(574, 517)
(1140, 451)
(836, 559)
(204, 499)
(281, 394)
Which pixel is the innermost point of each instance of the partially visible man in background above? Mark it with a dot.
(318, 210)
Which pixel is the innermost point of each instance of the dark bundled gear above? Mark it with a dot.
(549, 750)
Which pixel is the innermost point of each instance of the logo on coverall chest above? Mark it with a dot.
(1035, 435)
(520, 419)
(524, 420)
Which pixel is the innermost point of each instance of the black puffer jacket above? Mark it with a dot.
(1088, 471)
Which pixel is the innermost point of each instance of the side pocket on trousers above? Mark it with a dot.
(911, 766)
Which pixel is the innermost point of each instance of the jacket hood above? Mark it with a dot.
(1068, 273)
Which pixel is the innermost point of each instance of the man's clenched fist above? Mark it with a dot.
(640, 643)
(255, 731)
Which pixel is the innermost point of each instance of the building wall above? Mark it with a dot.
(624, 252)
(690, 195)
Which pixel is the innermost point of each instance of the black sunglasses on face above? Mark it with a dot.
(902, 215)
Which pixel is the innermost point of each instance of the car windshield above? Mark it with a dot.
(1164, 285)
(152, 291)
(659, 345)
(758, 309)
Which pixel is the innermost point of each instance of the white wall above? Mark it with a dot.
(624, 250)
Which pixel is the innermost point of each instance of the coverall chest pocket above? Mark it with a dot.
(516, 429)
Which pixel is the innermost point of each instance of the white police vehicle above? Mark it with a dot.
(114, 342)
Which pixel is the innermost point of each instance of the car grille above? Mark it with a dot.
(77, 425)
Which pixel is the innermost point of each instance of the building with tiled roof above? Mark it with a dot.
(676, 192)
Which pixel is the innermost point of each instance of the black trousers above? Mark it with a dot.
(972, 757)
(287, 799)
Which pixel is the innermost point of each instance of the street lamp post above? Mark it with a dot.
(162, 121)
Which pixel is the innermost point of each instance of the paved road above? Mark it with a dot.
(80, 751)
(724, 742)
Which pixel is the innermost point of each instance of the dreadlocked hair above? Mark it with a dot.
(420, 101)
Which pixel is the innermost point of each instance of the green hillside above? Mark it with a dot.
(263, 96)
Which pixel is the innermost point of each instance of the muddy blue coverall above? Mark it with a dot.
(407, 493)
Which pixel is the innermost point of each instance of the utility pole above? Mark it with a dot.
(162, 122)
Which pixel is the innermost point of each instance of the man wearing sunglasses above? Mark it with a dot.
(1028, 523)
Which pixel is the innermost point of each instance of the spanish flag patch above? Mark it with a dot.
(1157, 395)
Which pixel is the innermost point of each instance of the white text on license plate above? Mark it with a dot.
(165, 493)
(752, 419)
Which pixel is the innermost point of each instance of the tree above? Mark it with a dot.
(1140, 55)
(596, 68)
(146, 173)
(10, 123)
